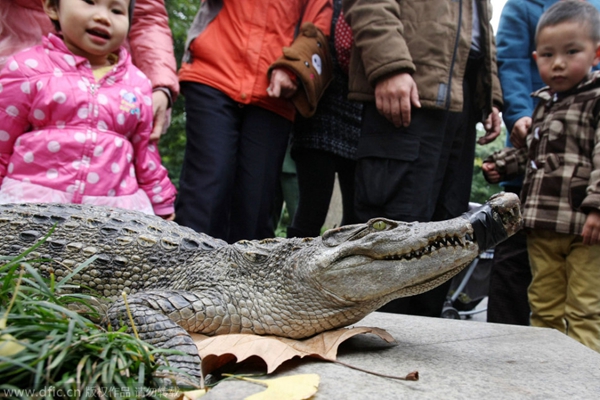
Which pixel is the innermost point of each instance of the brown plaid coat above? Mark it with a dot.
(562, 159)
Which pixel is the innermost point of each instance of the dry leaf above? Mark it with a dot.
(295, 387)
(9, 345)
(219, 350)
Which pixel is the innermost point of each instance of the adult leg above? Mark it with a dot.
(208, 170)
(316, 177)
(456, 175)
(509, 279)
(453, 178)
(548, 290)
(452, 189)
(287, 191)
(289, 185)
(582, 306)
(345, 168)
(263, 140)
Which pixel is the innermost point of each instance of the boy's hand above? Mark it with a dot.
(519, 132)
(492, 126)
(490, 173)
(394, 97)
(591, 228)
(281, 85)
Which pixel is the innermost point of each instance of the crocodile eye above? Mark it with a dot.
(379, 225)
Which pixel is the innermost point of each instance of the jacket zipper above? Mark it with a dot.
(93, 88)
(89, 136)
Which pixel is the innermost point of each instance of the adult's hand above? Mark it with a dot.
(395, 96)
(492, 126)
(281, 85)
(162, 116)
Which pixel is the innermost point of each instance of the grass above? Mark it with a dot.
(48, 349)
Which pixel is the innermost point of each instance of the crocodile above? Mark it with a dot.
(181, 281)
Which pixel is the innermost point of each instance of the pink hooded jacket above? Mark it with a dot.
(61, 129)
(24, 23)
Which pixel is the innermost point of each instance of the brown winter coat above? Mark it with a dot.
(427, 38)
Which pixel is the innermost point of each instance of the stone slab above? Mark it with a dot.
(455, 360)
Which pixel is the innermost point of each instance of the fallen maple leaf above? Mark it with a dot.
(219, 350)
(294, 387)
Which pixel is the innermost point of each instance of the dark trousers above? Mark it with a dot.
(509, 280)
(231, 166)
(316, 171)
(419, 173)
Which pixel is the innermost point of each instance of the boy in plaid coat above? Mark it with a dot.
(561, 190)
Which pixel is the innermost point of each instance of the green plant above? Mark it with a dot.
(50, 349)
(481, 190)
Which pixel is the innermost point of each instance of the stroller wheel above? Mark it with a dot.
(449, 312)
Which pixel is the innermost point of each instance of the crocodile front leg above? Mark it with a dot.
(150, 311)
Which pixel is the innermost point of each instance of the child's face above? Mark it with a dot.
(92, 28)
(565, 53)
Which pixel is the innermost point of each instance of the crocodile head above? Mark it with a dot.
(373, 263)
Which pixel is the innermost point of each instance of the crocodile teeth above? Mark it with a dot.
(447, 241)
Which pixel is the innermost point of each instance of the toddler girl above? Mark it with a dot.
(76, 116)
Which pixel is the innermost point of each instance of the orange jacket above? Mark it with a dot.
(234, 51)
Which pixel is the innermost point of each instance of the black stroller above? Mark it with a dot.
(469, 288)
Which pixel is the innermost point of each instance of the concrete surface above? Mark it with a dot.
(456, 359)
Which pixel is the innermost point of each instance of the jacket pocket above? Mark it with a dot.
(379, 138)
(578, 185)
(399, 146)
(556, 129)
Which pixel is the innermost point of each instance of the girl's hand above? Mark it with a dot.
(591, 228)
(169, 217)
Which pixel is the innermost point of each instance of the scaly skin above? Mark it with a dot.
(177, 278)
